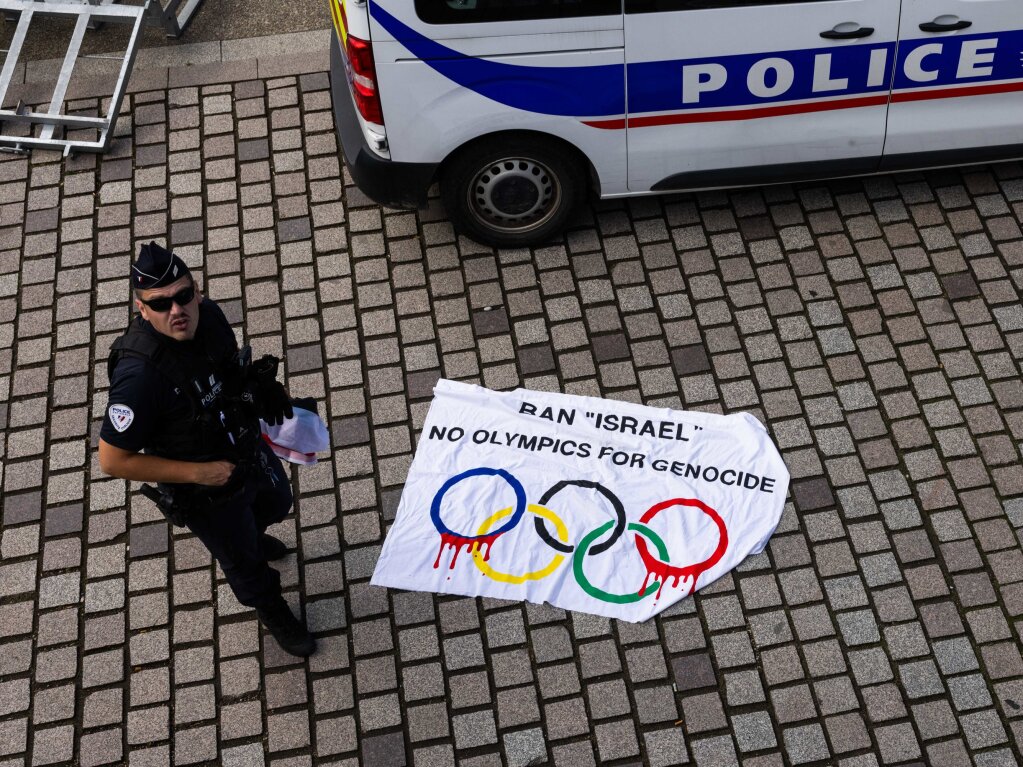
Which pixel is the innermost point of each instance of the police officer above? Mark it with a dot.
(181, 392)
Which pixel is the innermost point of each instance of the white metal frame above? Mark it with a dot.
(175, 20)
(87, 14)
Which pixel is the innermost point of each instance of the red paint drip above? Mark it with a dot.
(483, 544)
(662, 571)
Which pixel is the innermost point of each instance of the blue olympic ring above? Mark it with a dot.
(520, 502)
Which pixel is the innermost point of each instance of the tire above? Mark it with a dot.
(512, 192)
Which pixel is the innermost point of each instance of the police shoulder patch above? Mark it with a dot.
(121, 416)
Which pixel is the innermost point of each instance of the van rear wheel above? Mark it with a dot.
(512, 192)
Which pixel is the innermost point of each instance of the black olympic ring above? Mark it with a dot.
(541, 527)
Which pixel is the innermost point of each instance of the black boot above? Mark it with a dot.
(290, 633)
(273, 549)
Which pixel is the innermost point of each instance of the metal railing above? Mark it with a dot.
(88, 14)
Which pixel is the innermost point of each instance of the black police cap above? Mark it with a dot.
(156, 267)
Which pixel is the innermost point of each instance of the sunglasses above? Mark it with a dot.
(183, 297)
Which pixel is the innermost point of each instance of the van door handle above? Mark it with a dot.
(955, 26)
(835, 34)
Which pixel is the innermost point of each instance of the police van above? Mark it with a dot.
(518, 107)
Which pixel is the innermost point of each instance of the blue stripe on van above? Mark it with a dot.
(657, 86)
(595, 91)
(1006, 60)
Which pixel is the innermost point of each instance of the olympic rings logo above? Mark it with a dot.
(659, 569)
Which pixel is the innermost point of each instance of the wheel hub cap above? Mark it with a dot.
(514, 194)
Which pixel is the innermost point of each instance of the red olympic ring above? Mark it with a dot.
(658, 570)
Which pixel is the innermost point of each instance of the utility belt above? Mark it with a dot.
(179, 502)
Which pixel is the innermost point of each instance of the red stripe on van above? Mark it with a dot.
(955, 93)
(795, 109)
(738, 114)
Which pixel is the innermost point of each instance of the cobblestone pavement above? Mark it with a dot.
(875, 325)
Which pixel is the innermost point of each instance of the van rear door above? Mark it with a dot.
(451, 71)
(726, 92)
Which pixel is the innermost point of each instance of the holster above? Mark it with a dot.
(176, 505)
(169, 506)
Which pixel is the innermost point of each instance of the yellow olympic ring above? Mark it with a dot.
(535, 575)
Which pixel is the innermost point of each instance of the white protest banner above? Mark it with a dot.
(589, 504)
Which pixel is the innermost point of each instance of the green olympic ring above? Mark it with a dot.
(619, 599)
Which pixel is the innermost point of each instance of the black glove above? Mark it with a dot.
(267, 394)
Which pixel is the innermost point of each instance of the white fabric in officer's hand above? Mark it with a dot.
(299, 438)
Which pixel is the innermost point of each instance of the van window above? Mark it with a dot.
(661, 6)
(475, 11)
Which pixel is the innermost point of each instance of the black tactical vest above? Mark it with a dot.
(206, 371)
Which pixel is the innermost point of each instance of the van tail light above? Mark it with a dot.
(364, 80)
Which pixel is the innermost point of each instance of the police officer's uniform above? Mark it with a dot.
(191, 401)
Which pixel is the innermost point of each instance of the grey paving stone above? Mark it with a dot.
(935, 719)
(665, 747)
(62, 520)
(146, 540)
(423, 681)
(906, 640)
(100, 747)
(241, 720)
(250, 755)
(793, 704)
(598, 659)
(14, 696)
(574, 754)
(693, 672)
(646, 664)
(566, 719)
(288, 731)
(690, 360)
(551, 643)
(379, 712)
(13, 736)
(753, 731)
(870, 666)
(474, 729)
(52, 665)
(948, 752)
(53, 704)
(22, 507)
(524, 747)
(806, 744)
(428, 722)
(517, 706)
(717, 751)
(505, 629)
(703, 712)
(782, 665)
(385, 751)
(558, 680)
(897, 743)
(470, 690)
(998, 757)
(616, 740)
(656, 704)
(983, 729)
(53, 745)
(435, 756)
(813, 494)
(744, 687)
(969, 692)
(463, 652)
(920, 679)
(884, 702)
